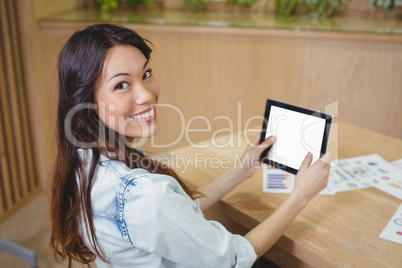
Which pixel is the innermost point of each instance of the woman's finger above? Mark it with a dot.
(306, 162)
(325, 159)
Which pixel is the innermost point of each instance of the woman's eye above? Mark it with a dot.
(147, 74)
(122, 85)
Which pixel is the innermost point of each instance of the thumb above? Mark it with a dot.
(307, 161)
(266, 143)
(326, 158)
(259, 150)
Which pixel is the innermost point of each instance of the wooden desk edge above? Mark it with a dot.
(285, 253)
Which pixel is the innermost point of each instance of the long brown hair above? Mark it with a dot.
(78, 126)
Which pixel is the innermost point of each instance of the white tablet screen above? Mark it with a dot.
(296, 135)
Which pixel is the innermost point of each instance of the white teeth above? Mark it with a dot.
(144, 115)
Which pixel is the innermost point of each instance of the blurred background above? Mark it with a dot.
(216, 62)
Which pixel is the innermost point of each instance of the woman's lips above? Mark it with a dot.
(145, 116)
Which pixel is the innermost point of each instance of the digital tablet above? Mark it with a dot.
(297, 131)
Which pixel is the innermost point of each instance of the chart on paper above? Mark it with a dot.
(277, 181)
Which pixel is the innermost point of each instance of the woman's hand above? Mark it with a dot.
(310, 180)
(223, 184)
(250, 161)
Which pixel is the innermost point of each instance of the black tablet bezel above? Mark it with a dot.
(324, 144)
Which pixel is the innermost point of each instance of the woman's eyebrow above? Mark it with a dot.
(118, 74)
(145, 65)
(126, 74)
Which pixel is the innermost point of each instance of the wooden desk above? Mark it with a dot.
(333, 231)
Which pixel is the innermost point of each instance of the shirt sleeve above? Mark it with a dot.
(162, 219)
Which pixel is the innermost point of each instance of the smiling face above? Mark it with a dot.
(126, 93)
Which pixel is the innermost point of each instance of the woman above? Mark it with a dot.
(110, 202)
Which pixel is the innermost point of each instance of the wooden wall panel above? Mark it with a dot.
(208, 71)
(362, 76)
(38, 102)
(19, 178)
(210, 74)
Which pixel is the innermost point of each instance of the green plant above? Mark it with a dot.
(285, 7)
(318, 8)
(242, 3)
(387, 5)
(133, 3)
(106, 5)
(194, 5)
(325, 8)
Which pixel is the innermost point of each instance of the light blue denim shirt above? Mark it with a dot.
(143, 219)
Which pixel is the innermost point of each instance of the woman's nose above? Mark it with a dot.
(143, 95)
